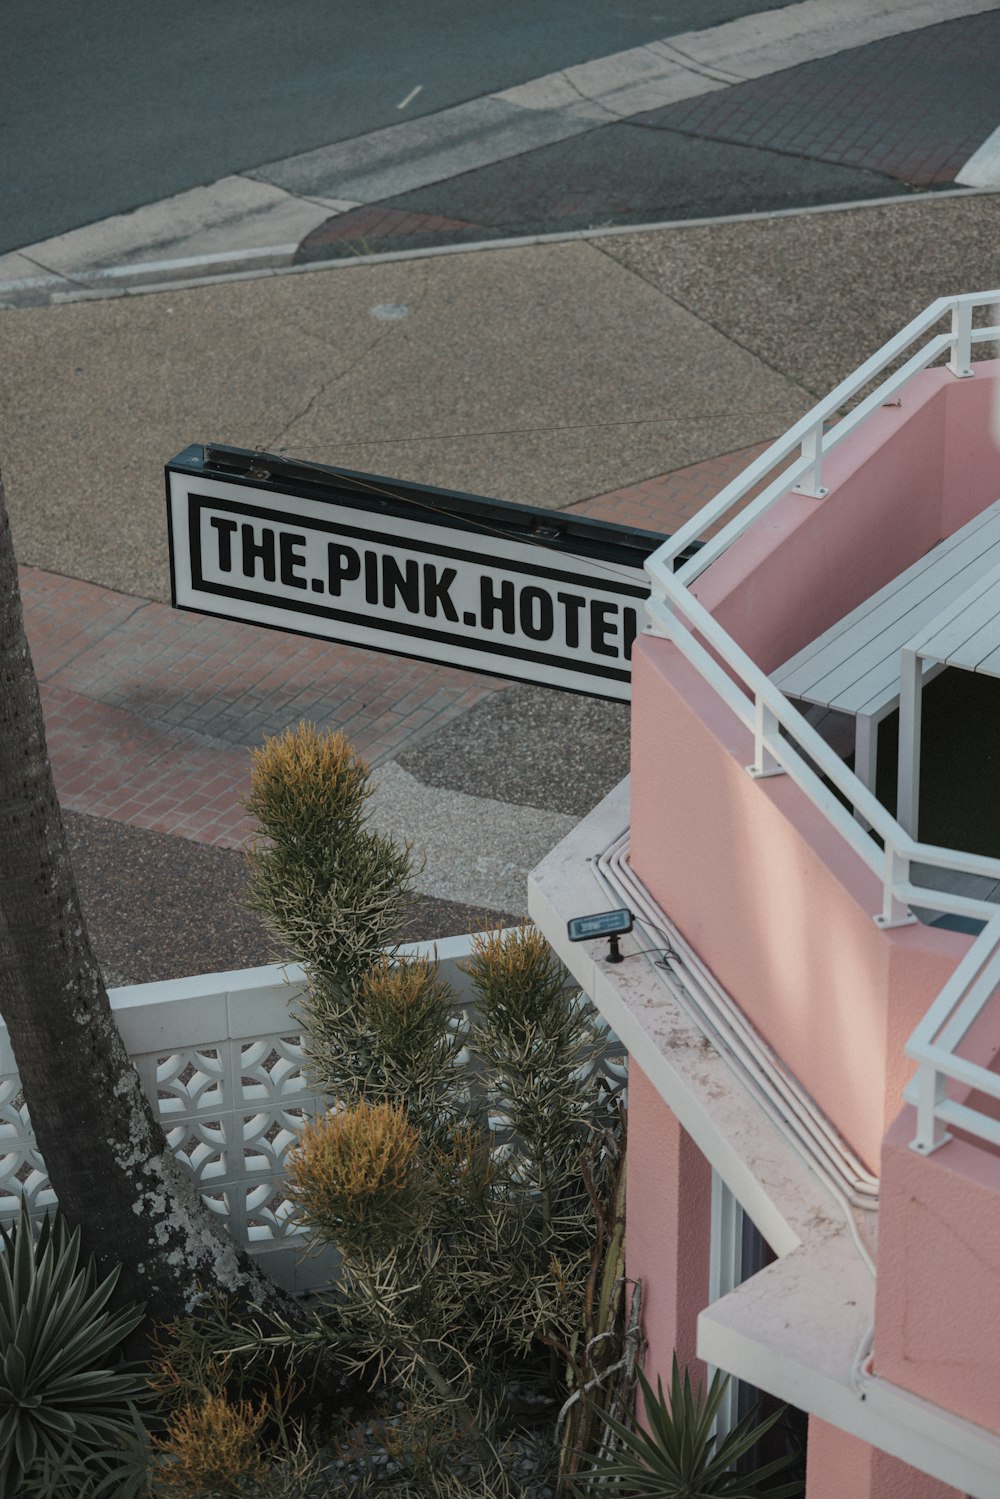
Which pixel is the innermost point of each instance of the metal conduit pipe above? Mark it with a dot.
(804, 1126)
(786, 1104)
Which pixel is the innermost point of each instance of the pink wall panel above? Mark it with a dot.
(668, 1227)
(972, 445)
(937, 1306)
(837, 1464)
(772, 899)
(775, 902)
(843, 1467)
(909, 476)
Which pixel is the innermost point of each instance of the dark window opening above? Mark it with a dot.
(959, 767)
(959, 762)
(790, 1435)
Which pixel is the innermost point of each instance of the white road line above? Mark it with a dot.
(983, 167)
(410, 96)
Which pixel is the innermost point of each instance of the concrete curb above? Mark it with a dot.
(113, 281)
(273, 260)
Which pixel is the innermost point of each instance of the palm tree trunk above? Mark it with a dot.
(104, 1150)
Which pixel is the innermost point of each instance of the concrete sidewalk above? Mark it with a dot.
(607, 377)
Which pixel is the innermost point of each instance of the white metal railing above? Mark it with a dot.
(935, 1042)
(784, 742)
(804, 446)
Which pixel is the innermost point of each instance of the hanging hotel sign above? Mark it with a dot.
(495, 587)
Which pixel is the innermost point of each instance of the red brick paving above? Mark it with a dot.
(373, 223)
(150, 711)
(665, 502)
(914, 106)
(110, 764)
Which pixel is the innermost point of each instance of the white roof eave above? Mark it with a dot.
(799, 1330)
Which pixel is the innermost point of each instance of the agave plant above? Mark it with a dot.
(121, 1469)
(679, 1457)
(58, 1393)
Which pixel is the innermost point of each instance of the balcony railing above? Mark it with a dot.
(785, 743)
(934, 1047)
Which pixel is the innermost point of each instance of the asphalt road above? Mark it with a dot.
(108, 107)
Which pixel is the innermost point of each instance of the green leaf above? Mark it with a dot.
(675, 1456)
(25, 1442)
(14, 1367)
(55, 1420)
(93, 1386)
(57, 1394)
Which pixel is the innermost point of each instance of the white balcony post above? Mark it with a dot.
(910, 704)
(811, 483)
(765, 726)
(960, 362)
(932, 1090)
(659, 610)
(865, 757)
(894, 912)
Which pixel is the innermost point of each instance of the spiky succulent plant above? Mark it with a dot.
(677, 1455)
(60, 1391)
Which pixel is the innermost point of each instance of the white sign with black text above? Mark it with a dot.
(464, 597)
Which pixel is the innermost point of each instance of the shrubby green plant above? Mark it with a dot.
(61, 1392)
(676, 1454)
(478, 1222)
(217, 1447)
(214, 1373)
(537, 1042)
(330, 888)
(464, 1214)
(604, 1351)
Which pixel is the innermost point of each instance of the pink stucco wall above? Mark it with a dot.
(907, 477)
(668, 1227)
(843, 1467)
(775, 902)
(837, 1464)
(772, 899)
(972, 445)
(937, 1306)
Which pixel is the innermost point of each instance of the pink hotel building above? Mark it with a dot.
(810, 998)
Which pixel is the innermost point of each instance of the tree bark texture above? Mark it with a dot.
(104, 1149)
